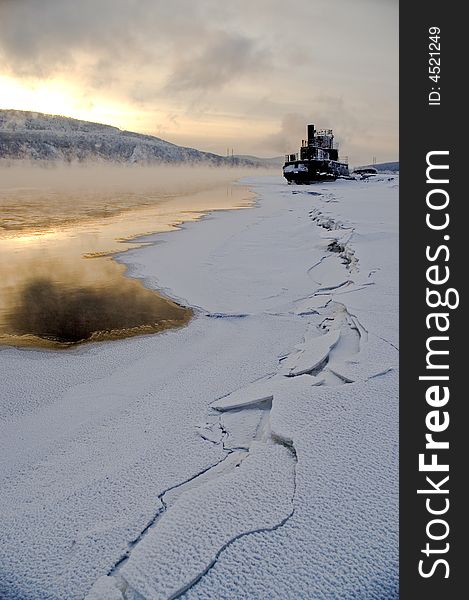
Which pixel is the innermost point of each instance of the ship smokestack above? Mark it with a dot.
(310, 135)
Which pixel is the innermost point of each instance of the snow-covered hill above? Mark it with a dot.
(386, 166)
(35, 136)
(271, 162)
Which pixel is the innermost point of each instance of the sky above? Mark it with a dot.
(246, 75)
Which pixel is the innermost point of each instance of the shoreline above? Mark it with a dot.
(99, 283)
(152, 239)
(291, 341)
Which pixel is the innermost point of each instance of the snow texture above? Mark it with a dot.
(252, 454)
(35, 136)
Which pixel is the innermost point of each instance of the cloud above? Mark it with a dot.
(208, 60)
(327, 112)
(39, 38)
(42, 38)
(223, 58)
(144, 49)
(288, 137)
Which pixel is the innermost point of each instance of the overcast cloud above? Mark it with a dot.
(248, 74)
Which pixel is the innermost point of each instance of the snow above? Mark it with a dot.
(255, 496)
(251, 454)
(29, 135)
(311, 354)
(342, 538)
(254, 393)
(296, 169)
(36, 136)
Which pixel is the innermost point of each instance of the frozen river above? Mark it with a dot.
(251, 454)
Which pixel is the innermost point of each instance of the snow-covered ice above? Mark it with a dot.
(251, 454)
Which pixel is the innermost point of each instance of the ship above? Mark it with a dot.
(318, 160)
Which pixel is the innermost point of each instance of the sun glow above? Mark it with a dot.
(66, 98)
(60, 98)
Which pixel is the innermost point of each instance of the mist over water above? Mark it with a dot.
(44, 195)
(59, 228)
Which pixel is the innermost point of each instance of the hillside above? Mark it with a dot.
(386, 166)
(271, 162)
(26, 135)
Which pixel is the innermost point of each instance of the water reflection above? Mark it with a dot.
(64, 315)
(60, 285)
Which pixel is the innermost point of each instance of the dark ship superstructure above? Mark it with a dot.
(318, 159)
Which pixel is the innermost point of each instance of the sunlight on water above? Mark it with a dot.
(60, 285)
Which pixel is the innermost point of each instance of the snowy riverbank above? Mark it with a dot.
(251, 454)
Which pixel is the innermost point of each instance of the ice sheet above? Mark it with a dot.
(256, 448)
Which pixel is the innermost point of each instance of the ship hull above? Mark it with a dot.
(309, 171)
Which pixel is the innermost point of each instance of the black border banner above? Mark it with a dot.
(433, 357)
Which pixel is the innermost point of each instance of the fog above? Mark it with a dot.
(47, 195)
(58, 228)
(161, 179)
